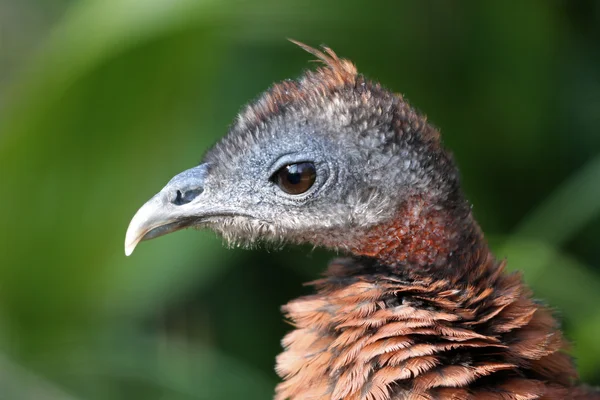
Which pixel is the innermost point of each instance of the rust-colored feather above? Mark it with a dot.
(377, 347)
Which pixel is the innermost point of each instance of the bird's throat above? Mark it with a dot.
(426, 237)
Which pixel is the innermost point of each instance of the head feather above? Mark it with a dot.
(337, 73)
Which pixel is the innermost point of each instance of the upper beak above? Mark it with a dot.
(175, 207)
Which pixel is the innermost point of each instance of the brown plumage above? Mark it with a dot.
(420, 309)
(381, 336)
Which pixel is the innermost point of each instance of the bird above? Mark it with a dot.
(416, 306)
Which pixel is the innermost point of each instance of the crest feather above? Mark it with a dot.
(344, 69)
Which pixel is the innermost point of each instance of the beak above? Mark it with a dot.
(178, 205)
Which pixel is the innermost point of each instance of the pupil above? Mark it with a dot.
(294, 175)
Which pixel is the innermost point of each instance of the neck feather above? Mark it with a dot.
(422, 239)
(380, 333)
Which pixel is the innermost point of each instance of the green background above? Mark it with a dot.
(102, 101)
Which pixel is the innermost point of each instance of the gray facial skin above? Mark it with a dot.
(370, 149)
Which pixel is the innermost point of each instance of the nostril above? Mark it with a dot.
(185, 197)
(177, 198)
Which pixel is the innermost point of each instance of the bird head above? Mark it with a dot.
(330, 159)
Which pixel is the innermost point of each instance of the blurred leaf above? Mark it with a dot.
(564, 213)
(161, 367)
(18, 383)
(94, 31)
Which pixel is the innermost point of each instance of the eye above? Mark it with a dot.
(296, 178)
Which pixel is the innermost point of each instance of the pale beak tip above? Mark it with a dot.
(140, 224)
(129, 249)
(130, 242)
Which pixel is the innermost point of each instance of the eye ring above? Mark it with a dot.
(296, 178)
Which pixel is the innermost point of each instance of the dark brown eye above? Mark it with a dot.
(296, 178)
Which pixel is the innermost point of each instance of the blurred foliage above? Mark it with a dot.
(107, 99)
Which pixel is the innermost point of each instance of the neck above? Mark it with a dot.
(445, 241)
